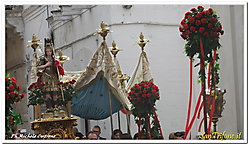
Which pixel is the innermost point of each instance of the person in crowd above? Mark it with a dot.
(116, 134)
(177, 135)
(97, 130)
(126, 136)
(135, 136)
(91, 135)
(79, 135)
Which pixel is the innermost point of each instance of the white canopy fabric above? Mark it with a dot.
(103, 61)
(141, 73)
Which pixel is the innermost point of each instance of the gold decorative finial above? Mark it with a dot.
(34, 43)
(104, 30)
(142, 42)
(115, 49)
(62, 58)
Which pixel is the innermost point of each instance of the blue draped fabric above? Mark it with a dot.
(92, 101)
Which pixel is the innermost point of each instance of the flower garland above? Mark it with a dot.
(68, 90)
(36, 92)
(143, 97)
(12, 96)
(201, 29)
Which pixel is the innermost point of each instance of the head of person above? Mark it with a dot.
(126, 136)
(116, 134)
(135, 136)
(48, 47)
(92, 136)
(96, 129)
(49, 51)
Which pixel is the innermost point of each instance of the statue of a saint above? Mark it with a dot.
(49, 70)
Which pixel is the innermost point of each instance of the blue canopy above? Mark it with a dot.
(93, 102)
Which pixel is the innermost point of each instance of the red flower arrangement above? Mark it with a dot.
(143, 97)
(201, 29)
(12, 96)
(36, 93)
(68, 90)
(200, 23)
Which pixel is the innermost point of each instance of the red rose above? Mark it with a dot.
(221, 32)
(216, 29)
(213, 19)
(153, 91)
(187, 32)
(214, 35)
(183, 21)
(210, 25)
(12, 94)
(188, 13)
(200, 8)
(60, 83)
(13, 80)
(185, 26)
(144, 82)
(183, 36)
(146, 86)
(158, 98)
(18, 99)
(6, 79)
(42, 83)
(220, 26)
(210, 9)
(180, 29)
(22, 95)
(6, 97)
(132, 92)
(205, 34)
(207, 12)
(201, 29)
(193, 10)
(137, 94)
(144, 95)
(197, 22)
(192, 29)
(191, 20)
(199, 15)
(18, 88)
(203, 20)
(11, 88)
(148, 95)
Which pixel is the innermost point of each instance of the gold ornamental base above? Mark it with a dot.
(54, 128)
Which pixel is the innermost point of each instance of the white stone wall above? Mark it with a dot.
(169, 65)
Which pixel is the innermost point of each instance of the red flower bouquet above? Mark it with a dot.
(204, 24)
(143, 97)
(201, 29)
(12, 96)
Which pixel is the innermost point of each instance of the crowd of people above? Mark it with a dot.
(94, 134)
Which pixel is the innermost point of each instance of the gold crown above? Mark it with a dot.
(48, 44)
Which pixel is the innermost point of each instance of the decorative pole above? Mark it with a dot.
(201, 29)
(35, 44)
(103, 33)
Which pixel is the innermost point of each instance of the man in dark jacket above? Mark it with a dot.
(97, 130)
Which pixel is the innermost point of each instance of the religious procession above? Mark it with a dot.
(125, 72)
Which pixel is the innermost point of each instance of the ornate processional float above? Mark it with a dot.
(93, 94)
(50, 96)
